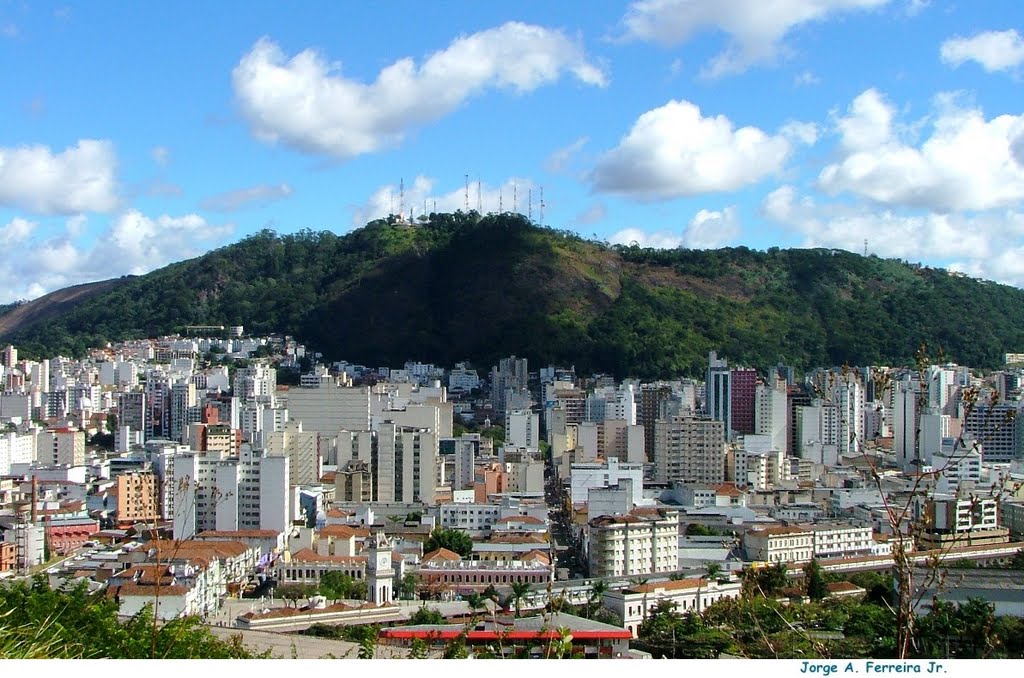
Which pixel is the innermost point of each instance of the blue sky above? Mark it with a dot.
(137, 134)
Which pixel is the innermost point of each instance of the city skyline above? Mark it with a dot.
(148, 135)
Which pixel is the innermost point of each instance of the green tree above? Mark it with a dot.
(597, 591)
(418, 649)
(451, 539)
(426, 616)
(814, 580)
(335, 585)
(407, 587)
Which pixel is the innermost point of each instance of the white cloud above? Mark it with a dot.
(132, 244)
(260, 195)
(675, 151)
(756, 28)
(561, 158)
(978, 243)
(79, 179)
(512, 195)
(660, 240)
(994, 50)
(161, 155)
(967, 163)
(801, 132)
(709, 230)
(307, 103)
(16, 231)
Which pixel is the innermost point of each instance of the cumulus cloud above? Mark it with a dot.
(967, 162)
(675, 151)
(16, 231)
(78, 179)
(420, 197)
(260, 195)
(309, 104)
(133, 243)
(994, 50)
(709, 229)
(976, 243)
(756, 28)
(161, 155)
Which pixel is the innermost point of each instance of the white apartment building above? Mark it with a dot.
(634, 604)
(16, 448)
(645, 541)
(407, 460)
(302, 449)
(842, 541)
(522, 428)
(328, 410)
(257, 382)
(586, 476)
(779, 545)
(61, 447)
(771, 414)
(250, 492)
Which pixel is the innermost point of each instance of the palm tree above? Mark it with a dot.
(597, 591)
(475, 602)
(713, 570)
(520, 589)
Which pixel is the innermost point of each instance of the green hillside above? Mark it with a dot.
(459, 287)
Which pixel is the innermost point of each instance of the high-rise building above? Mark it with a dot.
(689, 449)
(131, 411)
(742, 391)
(652, 401)
(510, 374)
(717, 391)
(770, 414)
(904, 423)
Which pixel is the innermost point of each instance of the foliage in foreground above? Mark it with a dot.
(759, 627)
(38, 622)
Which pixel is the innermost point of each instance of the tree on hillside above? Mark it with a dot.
(451, 539)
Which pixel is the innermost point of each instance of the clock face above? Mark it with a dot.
(383, 561)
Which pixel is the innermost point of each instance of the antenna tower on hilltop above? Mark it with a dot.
(515, 197)
(467, 193)
(479, 200)
(401, 199)
(529, 204)
(542, 205)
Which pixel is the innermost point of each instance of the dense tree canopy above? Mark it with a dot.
(451, 539)
(460, 286)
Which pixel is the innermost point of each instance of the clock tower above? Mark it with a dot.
(380, 576)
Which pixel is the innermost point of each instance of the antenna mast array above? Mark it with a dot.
(529, 205)
(515, 198)
(479, 200)
(467, 193)
(542, 205)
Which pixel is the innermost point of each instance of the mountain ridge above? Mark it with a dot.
(464, 287)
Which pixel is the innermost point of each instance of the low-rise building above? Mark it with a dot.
(779, 545)
(633, 604)
(644, 541)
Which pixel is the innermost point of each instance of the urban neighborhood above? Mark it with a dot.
(503, 510)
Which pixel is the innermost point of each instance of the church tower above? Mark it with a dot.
(380, 576)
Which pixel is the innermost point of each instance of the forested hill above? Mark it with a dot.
(460, 287)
